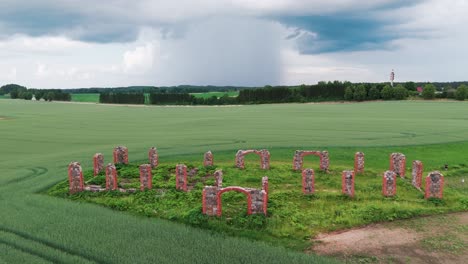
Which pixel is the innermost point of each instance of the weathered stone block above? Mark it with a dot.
(120, 155)
(416, 174)
(218, 175)
(389, 183)
(359, 162)
(347, 183)
(153, 157)
(98, 163)
(210, 200)
(434, 185)
(181, 177)
(111, 177)
(398, 164)
(208, 159)
(308, 181)
(75, 177)
(146, 178)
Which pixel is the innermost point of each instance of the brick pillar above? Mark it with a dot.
(218, 175)
(297, 160)
(111, 177)
(240, 159)
(347, 183)
(98, 163)
(324, 161)
(75, 177)
(210, 200)
(389, 183)
(120, 155)
(258, 201)
(434, 185)
(208, 159)
(398, 164)
(181, 177)
(265, 183)
(308, 181)
(416, 173)
(146, 178)
(359, 162)
(264, 159)
(153, 157)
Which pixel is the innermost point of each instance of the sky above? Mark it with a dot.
(88, 43)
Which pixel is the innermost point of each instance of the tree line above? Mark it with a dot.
(20, 92)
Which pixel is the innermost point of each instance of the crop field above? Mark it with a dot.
(39, 139)
(85, 97)
(217, 94)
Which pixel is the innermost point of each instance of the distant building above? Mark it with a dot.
(392, 77)
(419, 89)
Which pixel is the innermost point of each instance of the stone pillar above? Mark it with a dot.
(240, 159)
(111, 177)
(181, 177)
(324, 161)
(434, 185)
(308, 181)
(208, 159)
(218, 175)
(258, 201)
(359, 162)
(75, 177)
(347, 183)
(265, 184)
(389, 183)
(146, 178)
(210, 200)
(416, 173)
(297, 160)
(153, 157)
(264, 159)
(120, 155)
(398, 164)
(98, 163)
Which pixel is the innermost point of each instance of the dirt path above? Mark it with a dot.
(435, 239)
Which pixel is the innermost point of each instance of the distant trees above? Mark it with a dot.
(461, 93)
(400, 92)
(428, 92)
(387, 92)
(360, 93)
(122, 98)
(374, 93)
(15, 88)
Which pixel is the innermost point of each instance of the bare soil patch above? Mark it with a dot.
(433, 239)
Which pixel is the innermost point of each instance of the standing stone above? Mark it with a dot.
(210, 200)
(98, 163)
(258, 202)
(75, 177)
(389, 183)
(121, 155)
(308, 181)
(265, 184)
(434, 185)
(264, 159)
(359, 162)
(347, 183)
(416, 173)
(398, 164)
(218, 175)
(324, 161)
(153, 157)
(208, 159)
(111, 177)
(181, 177)
(146, 178)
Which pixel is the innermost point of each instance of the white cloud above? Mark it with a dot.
(139, 60)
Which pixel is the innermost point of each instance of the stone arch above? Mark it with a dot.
(263, 154)
(235, 189)
(299, 155)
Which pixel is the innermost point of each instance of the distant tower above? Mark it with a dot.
(392, 77)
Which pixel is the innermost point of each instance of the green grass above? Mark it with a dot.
(4, 97)
(39, 140)
(217, 94)
(85, 97)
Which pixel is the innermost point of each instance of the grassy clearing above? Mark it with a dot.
(85, 97)
(39, 140)
(217, 94)
(4, 97)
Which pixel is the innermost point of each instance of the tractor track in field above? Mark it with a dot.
(30, 252)
(49, 244)
(35, 171)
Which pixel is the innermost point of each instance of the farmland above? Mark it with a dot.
(85, 97)
(39, 140)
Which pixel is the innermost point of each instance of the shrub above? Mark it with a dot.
(429, 91)
(387, 92)
(360, 93)
(348, 95)
(461, 92)
(400, 92)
